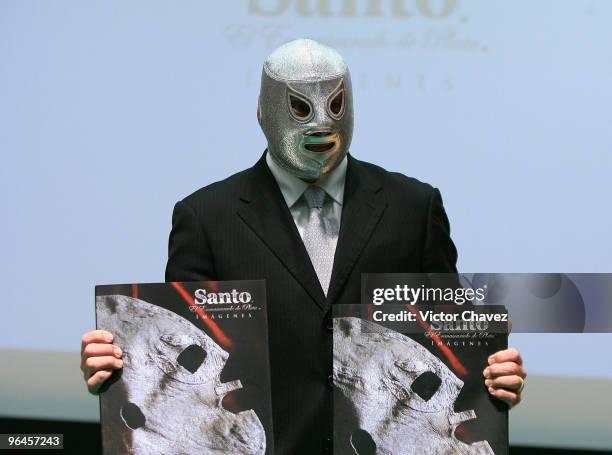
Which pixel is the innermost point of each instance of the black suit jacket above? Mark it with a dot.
(241, 228)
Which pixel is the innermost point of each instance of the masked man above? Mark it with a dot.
(309, 218)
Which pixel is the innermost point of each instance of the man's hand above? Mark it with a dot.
(98, 358)
(505, 376)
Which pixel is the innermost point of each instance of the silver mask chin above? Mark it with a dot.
(305, 108)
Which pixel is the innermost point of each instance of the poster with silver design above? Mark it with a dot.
(195, 376)
(408, 379)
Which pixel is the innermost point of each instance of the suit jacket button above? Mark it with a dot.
(329, 322)
(328, 445)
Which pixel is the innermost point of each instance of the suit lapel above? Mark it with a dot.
(267, 215)
(362, 208)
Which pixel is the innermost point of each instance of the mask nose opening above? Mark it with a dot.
(319, 133)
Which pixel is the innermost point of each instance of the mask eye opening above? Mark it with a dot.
(335, 106)
(335, 102)
(299, 107)
(191, 358)
(426, 385)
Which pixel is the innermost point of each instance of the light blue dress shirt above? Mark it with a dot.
(292, 189)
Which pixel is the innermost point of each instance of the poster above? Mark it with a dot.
(195, 376)
(408, 371)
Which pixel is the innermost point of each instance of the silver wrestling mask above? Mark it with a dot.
(166, 400)
(305, 108)
(393, 396)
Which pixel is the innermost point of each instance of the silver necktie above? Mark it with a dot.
(320, 237)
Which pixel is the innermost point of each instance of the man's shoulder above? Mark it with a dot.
(395, 183)
(217, 193)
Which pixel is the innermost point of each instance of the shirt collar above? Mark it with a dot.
(292, 187)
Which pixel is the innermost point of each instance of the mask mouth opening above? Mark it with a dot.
(320, 148)
(319, 140)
